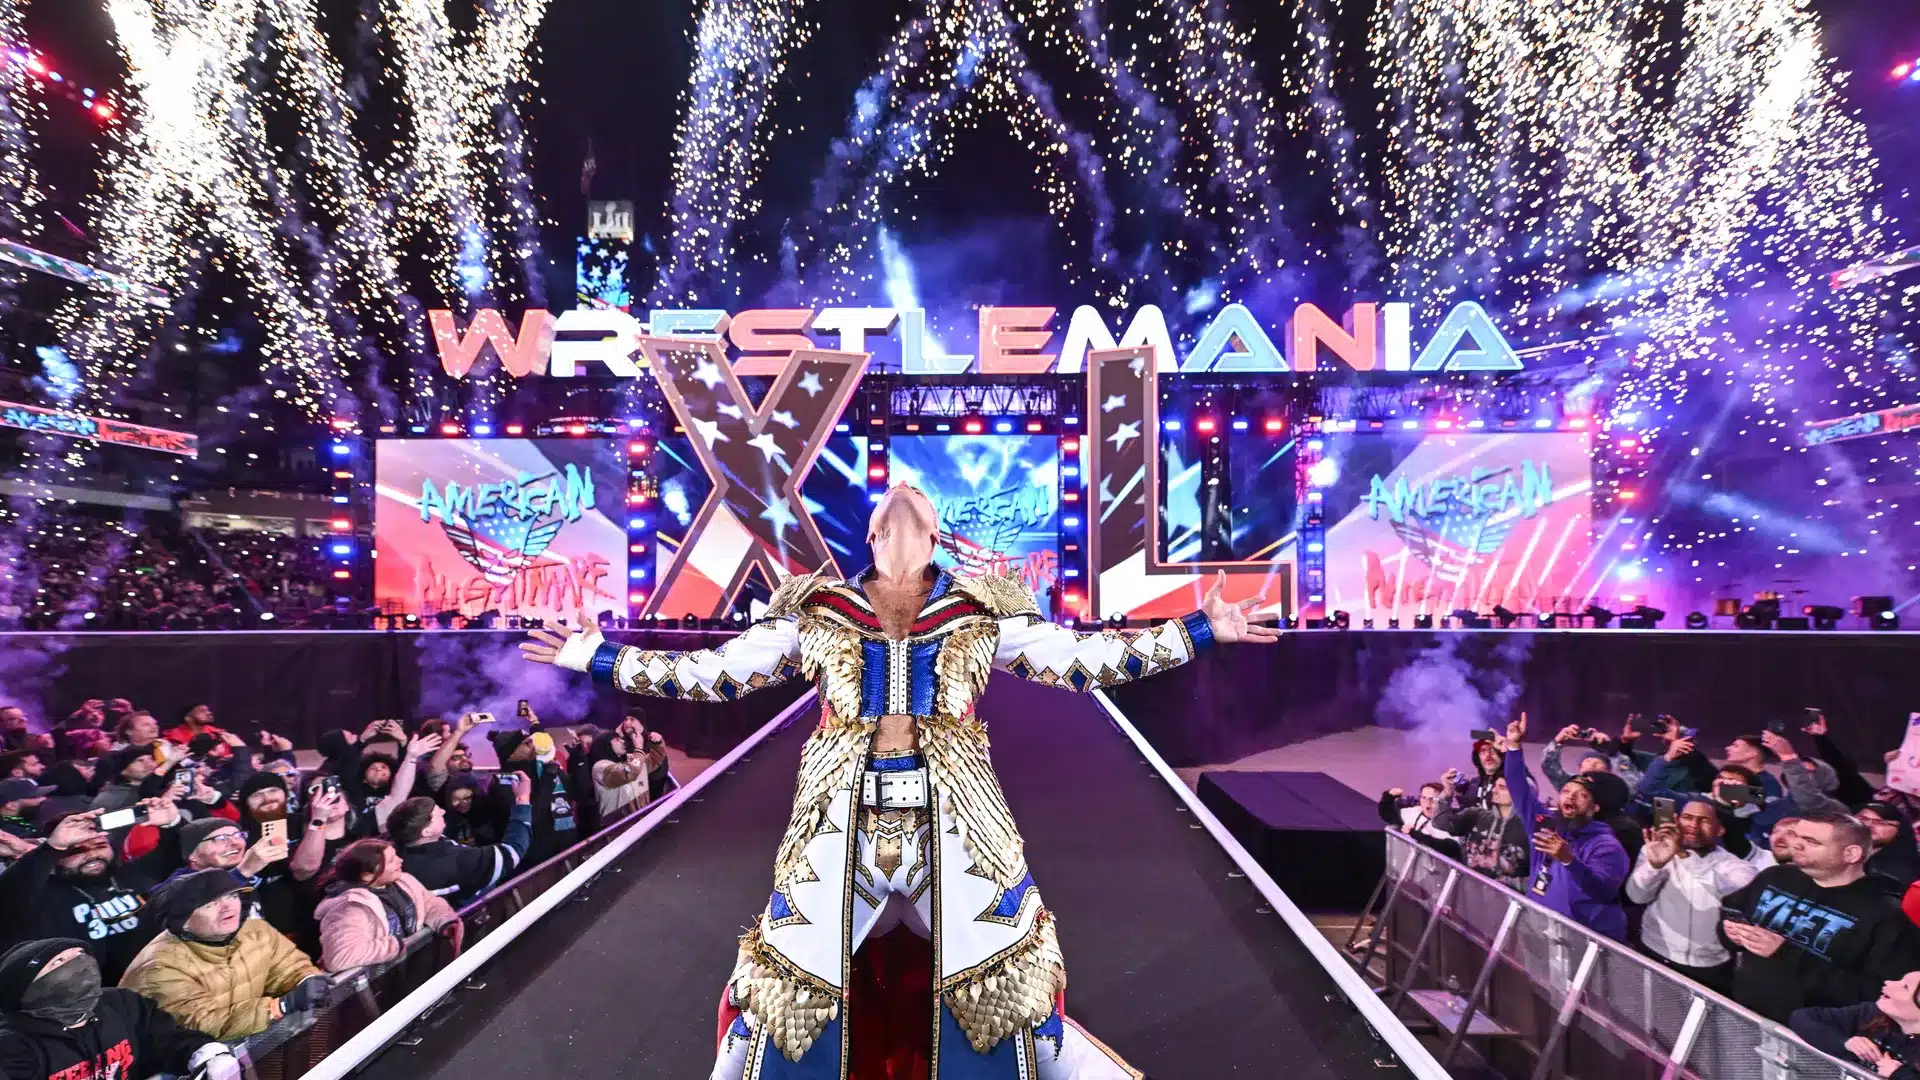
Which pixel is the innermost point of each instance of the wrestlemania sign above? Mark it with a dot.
(1374, 337)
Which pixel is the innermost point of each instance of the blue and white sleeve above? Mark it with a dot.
(1033, 648)
(765, 654)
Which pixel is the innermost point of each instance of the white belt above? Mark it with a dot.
(899, 789)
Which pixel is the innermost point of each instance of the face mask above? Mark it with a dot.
(65, 996)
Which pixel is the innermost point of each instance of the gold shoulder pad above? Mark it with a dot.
(792, 593)
(1003, 594)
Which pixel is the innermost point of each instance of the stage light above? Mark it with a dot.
(1273, 425)
(515, 429)
(1204, 426)
(636, 448)
(1885, 620)
(483, 429)
(636, 523)
(1628, 495)
(1901, 71)
(1116, 620)
(1696, 620)
(1323, 473)
(343, 549)
(973, 427)
(341, 423)
(1468, 619)
(1070, 471)
(1071, 523)
(449, 429)
(1170, 425)
(1867, 607)
(1239, 425)
(841, 428)
(1443, 425)
(1824, 616)
(343, 574)
(877, 472)
(1600, 616)
(1073, 421)
(1647, 617)
(913, 428)
(1003, 426)
(690, 621)
(1341, 620)
(341, 524)
(943, 428)
(340, 449)
(876, 421)
(636, 549)
(1033, 425)
(266, 616)
(1409, 425)
(1505, 617)
(1423, 622)
(1316, 548)
(1543, 422)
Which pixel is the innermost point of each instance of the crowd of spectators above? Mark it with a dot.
(1784, 880)
(83, 573)
(170, 889)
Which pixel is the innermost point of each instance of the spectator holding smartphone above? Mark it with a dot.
(1578, 864)
(446, 868)
(76, 886)
(1816, 933)
(1493, 839)
(1683, 875)
(1883, 1034)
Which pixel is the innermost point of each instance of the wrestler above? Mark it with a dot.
(899, 830)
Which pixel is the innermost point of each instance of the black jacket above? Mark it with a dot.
(460, 872)
(129, 1037)
(35, 904)
(555, 815)
(1827, 1030)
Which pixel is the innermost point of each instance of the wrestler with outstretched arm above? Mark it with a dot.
(898, 820)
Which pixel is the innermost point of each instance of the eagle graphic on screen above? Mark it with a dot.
(503, 547)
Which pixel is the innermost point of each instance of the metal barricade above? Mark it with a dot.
(292, 1046)
(1535, 994)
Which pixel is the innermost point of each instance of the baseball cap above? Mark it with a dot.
(20, 789)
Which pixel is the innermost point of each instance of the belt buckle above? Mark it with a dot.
(870, 788)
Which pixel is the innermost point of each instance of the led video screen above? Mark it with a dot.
(1433, 523)
(1257, 510)
(534, 528)
(998, 498)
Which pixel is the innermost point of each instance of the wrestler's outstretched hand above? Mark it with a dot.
(544, 645)
(1229, 621)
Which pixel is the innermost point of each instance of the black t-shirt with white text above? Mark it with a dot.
(1842, 943)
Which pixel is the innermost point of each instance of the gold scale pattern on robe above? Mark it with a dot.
(1007, 993)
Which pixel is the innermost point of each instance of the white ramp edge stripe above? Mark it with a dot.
(363, 1046)
(1404, 1044)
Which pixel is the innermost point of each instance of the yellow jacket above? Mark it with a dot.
(227, 991)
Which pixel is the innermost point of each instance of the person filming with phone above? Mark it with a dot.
(1578, 864)
(1816, 933)
(76, 886)
(1683, 874)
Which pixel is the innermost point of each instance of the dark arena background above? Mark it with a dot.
(1517, 359)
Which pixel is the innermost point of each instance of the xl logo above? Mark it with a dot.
(756, 458)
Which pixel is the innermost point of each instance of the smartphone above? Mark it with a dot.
(1542, 821)
(1662, 812)
(273, 829)
(1689, 732)
(1482, 735)
(525, 709)
(1737, 794)
(1777, 726)
(1733, 914)
(123, 819)
(483, 718)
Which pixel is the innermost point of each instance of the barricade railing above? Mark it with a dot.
(1536, 994)
(296, 1044)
